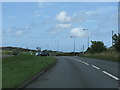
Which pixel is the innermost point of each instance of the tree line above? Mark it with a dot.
(98, 46)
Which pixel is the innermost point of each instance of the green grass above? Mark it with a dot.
(0, 52)
(6, 52)
(19, 69)
(110, 56)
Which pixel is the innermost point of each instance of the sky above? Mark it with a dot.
(50, 25)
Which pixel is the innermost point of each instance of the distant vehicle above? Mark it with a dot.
(37, 54)
(42, 54)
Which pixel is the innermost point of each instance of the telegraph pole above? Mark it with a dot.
(112, 38)
(88, 37)
(57, 45)
(83, 48)
(74, 42)
(88, 40)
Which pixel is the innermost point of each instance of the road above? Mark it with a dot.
(79, 72)
(3, 56)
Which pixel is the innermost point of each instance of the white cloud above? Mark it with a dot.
(44, 4)
(12, 17)
(94, 17)
(79, 17)
(9, 30)
(91, 12)
(63, 17)
(38, 15)
(78, 32)
(86, 15)
(55, 31)
(107, 9)
(14, 31)
(64, 26)
(19, 32)
(60, 28)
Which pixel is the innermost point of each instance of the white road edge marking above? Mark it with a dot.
(95, 67)
(110, 75)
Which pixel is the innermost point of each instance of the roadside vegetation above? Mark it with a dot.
(15, 51)
(110, 56)
(0, 52)
(100, 51)
(18, 69)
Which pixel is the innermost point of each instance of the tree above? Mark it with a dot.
(116, 41)
(97, 47)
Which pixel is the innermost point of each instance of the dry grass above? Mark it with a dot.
(112, 56)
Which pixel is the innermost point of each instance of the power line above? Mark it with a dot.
(29, 37)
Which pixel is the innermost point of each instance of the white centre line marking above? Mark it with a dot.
(110, 75)
(114, 77)
(95, 67)
(81, 61)
(85, 63)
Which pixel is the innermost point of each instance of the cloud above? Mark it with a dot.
(107, 9)
(38, 15)
(91, 12)
(94, 17)
(30, 26)
(13, 31)
(54, 32)
(44, 4)
(64, 25)
(63, 17)
(60, 28)
(78, 32)
(19, 32)
(79, 17)
(12, 17)
(95, 14)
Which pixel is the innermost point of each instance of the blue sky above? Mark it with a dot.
(40, 24)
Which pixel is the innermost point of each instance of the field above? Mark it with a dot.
(6, 52)
(18, 69)
(110, 56)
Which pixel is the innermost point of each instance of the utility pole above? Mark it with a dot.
(74, 43)
(83, 48)
(88, 37)
(27, 48)
(112, 38)
(57, 45)
(88, 40)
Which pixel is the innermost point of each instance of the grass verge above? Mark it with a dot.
(110, 56)
(18, 69)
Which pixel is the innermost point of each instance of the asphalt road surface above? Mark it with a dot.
(79, 72)
(3, 56)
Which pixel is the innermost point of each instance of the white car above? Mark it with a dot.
(36, 54)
